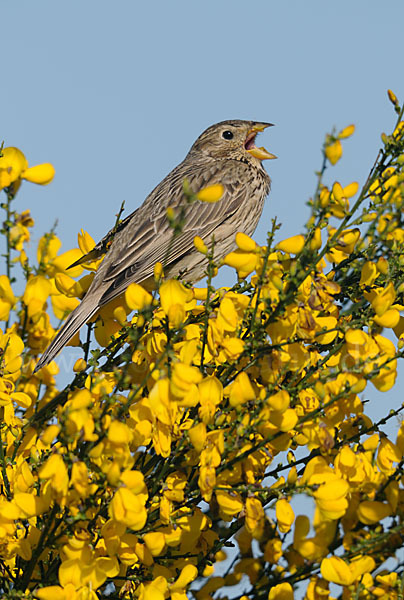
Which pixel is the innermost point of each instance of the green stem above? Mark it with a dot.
(209, 292)
(23, 583)
(4, 468)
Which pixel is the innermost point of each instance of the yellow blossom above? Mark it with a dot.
(281, 591)
(392, 97)
(14, 167)
(244, 262)
(128, 509)
(245, 243)
(174, 300)
(292, 245)
(336, 570)
(41, 174)
(200, 245)
(254, 517)
(240, 390)
(36, 293)
(347, 131)
(12, 164)
(284, 515)
(211, 193)
(7, 298)
(11, 347)
(155, 541)
(334, 152)
(197, 435)
(229, 501)
(136, 297)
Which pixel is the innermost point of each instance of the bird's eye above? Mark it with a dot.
(227, 135)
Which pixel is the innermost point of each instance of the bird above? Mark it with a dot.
(226, 154)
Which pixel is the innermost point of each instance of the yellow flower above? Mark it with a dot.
(347, 240)
(381, 298)
(48, 247)
(200, 245)
(155, 542)
(284, 515)
(119, 433)
(161, 402)
(244, 262)
(104, 329)
(240, 390)
(369, 274)
(211, 193)
(315, 242)
(11, 346)
(210, 396)
(334, 152)
(174, 486)
(7, 298)
(36, 293)
(158, 272)
(388, 454)
(12, 164)
(128, 509)
(86, 244)
(31, 505)
(344, 246)
(336, 570)
(19, 232)
(292, 245)
(279, 401)
(41, 174)
(14, 167)
(227, 319)
(245, 243)
(136, 297)
(372, 511)
(54, 470)
(346, 132)
(315, 547)
(229, 501)
(207, 481)
(281, 591)
(177, 588)
(392, 97)
(80, 365)
(254, 517)
(329, 491)
(155, 590)
(197, 435)
(175, 299)
(65, 284)
(63, 305)
(183, 384)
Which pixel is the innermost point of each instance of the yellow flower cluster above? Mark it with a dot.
(204, 413)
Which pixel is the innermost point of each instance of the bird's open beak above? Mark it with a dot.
(249, 144)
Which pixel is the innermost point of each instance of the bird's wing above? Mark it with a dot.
(148, 240)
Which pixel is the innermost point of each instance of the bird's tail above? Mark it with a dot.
(81, 314)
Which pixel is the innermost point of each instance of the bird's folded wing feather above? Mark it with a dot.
(151, 239)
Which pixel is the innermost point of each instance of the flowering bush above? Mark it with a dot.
(187, 432)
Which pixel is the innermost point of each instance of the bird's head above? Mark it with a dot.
(232, 140)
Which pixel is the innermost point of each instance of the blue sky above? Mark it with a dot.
(114, 94)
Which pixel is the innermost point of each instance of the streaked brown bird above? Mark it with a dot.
(225, 153)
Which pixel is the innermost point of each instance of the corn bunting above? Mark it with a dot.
(224, 154)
